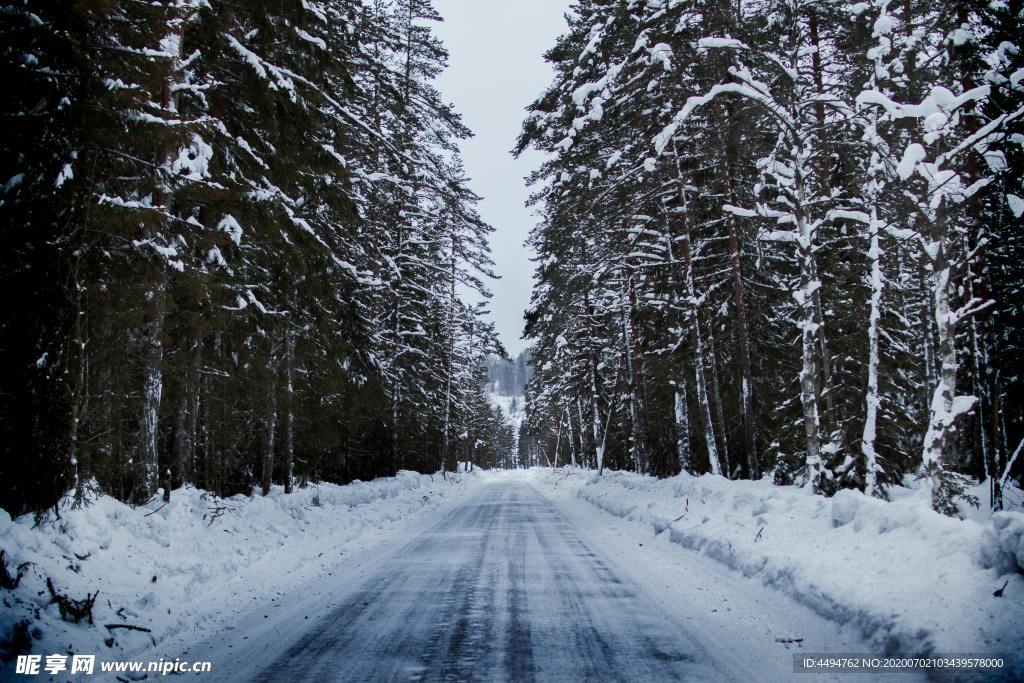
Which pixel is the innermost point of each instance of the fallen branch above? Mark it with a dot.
(567, 473)
(69, 607)
(130, 627)
(669, 525)
(156, 511)
(217, 511)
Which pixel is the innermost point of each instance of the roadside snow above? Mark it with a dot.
(447, 592)
(187, 568)
(910, 580)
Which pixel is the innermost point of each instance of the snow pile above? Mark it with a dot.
(913, 581)
(184, 566)
(1009, 528)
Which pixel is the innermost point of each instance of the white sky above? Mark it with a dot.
(496, 68)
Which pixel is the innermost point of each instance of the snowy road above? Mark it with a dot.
(513, 585)
(502, 588)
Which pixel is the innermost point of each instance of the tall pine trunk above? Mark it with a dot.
(288, 445)
(692, 317)
(269, 423)
(632, 372)
(742, 333)
(152, 389)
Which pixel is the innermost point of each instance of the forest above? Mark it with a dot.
(777, 238)
(239, 249)
(703, 361)
(782, 238)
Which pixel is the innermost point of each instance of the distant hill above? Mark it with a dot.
(506, 384)
(509, 377)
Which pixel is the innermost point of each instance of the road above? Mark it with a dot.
(502, 588)
(514, 583)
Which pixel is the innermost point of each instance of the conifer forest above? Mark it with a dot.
(512, 340)
(783, 238)
(238, 241)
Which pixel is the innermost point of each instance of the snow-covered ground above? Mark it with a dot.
(519, 585)
(751, 573)
(188, 569)
(910, 580)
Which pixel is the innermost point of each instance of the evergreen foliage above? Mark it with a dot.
(238, 247)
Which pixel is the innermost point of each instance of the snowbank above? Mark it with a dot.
(913, 581)
(182, 567)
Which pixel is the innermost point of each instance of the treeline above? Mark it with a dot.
(782, 237)
(236, 239)
(509, 377)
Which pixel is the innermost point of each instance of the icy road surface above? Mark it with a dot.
(502, 587)
(510, 585)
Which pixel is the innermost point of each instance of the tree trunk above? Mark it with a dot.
(211, 451)
(78, 389)
(186, 415)
(269, 425)
(693, 321)
(873, 400)
(639, 456)
(582, 432)
(569, 438)
(940, 438)
(449, 362)
(718, 405)
(181, 431)
(558, 442)
(152, 389)
(155, 306)
(742, 336)
(595, 408)
(289, 408)
(682, 424)
(809, 327)
(598, 442)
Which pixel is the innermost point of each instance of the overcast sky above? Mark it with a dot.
(496, 68)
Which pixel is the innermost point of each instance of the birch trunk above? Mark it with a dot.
(809, 327)
(945, 407)
(871, 470)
